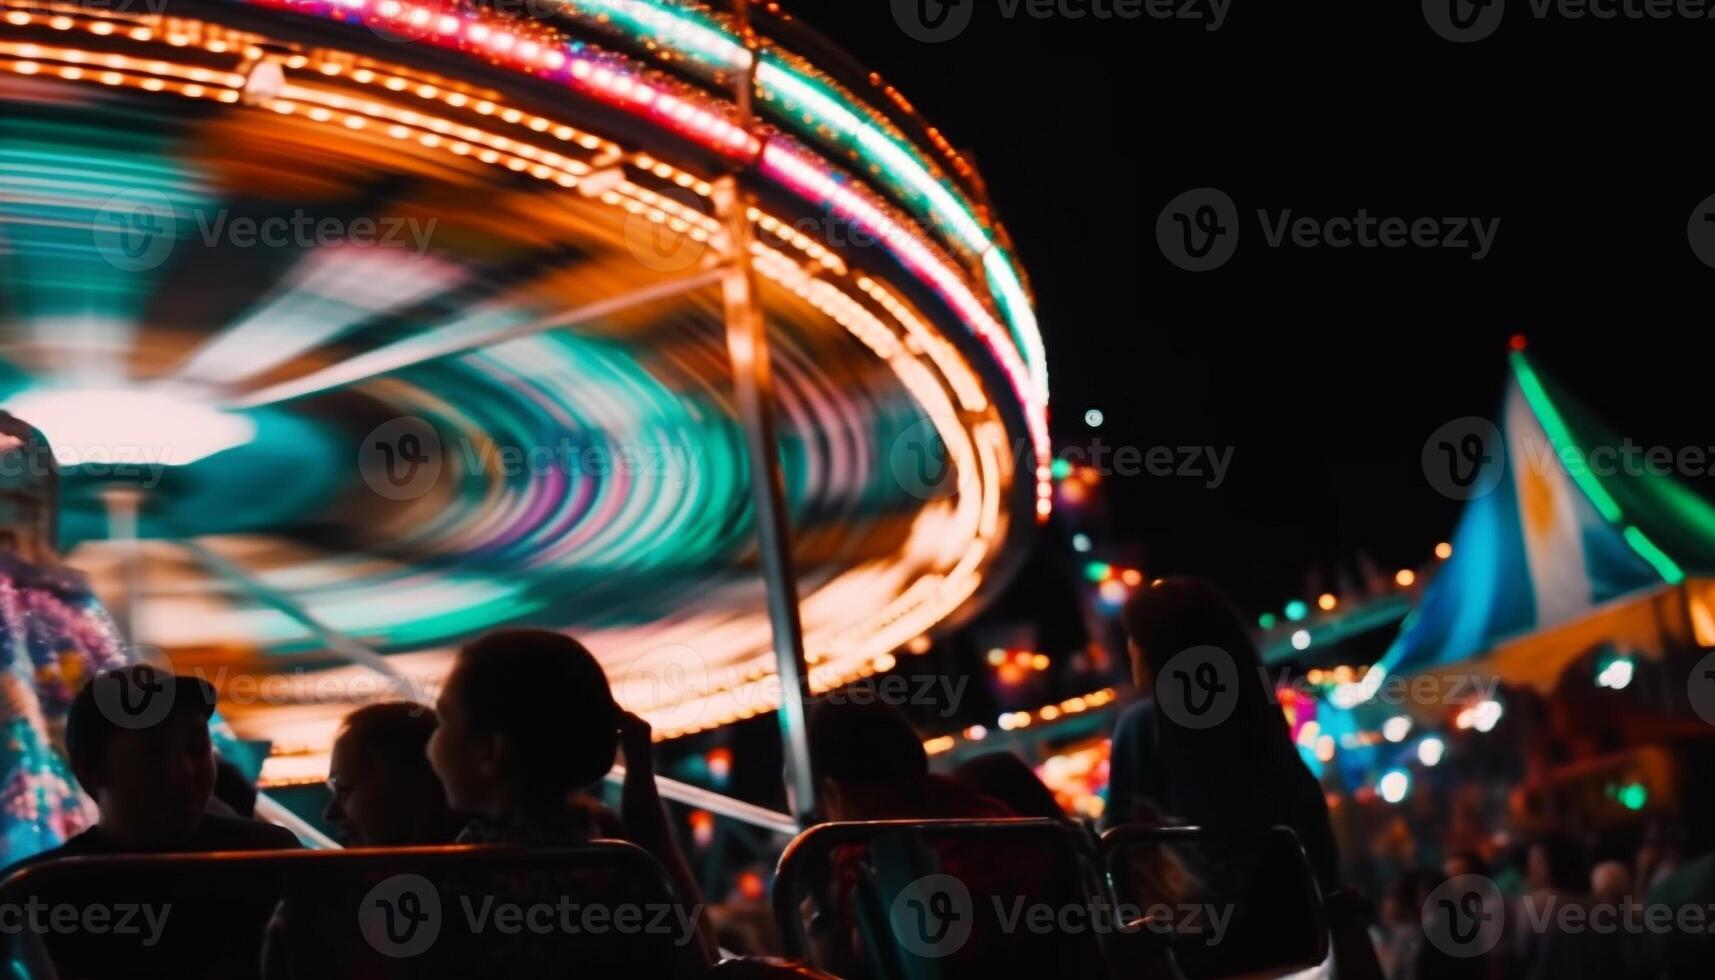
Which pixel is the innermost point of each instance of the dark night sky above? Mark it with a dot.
(1327, 370)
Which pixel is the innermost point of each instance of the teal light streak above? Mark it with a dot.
(799, 95)
(1560, 436)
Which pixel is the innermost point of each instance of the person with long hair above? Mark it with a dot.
(528, 724)
(382, 790)
(1220, 756)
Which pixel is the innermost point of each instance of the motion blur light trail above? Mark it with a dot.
(164, 429)
(287, 279)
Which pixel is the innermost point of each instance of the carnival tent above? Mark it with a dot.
(1572, 537)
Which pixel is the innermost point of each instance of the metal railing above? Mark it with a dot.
(315, 906)
(819, 841)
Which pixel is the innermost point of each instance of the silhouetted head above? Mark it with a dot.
(1176, 614)
(1611, 881)
(139, 744)
(1224, 752)
(1008, 779)
(526, 719)
(856, 749)
(385, 793)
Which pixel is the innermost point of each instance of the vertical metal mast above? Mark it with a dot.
(747, 348)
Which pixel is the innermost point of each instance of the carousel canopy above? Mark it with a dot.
(364, 327)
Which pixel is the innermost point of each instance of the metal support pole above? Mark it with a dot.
(123, 504)
(753, 379)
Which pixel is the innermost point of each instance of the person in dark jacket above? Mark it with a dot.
(139, 743)
(1220, 754)
(1209, 747)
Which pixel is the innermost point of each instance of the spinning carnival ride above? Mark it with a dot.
(361, 327)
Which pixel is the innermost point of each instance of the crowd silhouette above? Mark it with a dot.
(526, 725)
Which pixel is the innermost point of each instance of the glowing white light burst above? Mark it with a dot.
(137, 425)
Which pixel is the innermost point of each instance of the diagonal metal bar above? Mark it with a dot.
(271, 810)
(364, 655)
(348, 647)
(415, 351)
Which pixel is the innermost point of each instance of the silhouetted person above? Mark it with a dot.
(1209, 747)
(1682, 954)
(139, 744)
(1005, 777)
(1398, 930)
(527, 725)
(1221, 757)
(384, 792)
(1548, 947)
(871, 765)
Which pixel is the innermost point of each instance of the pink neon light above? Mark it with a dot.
(712, 130)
